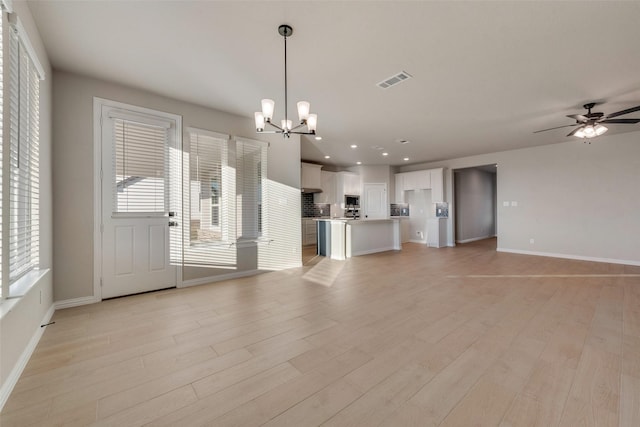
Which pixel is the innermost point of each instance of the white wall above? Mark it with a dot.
(475, 204)
(74, 172)
(419, 210)
(574, 199)
(21, 317)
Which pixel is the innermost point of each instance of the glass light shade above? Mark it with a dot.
(589, 131)
(259, 121)
(287, 124)
(303, 110)
(580, 133)
(312, 122)
(600, 129)
(268, 106)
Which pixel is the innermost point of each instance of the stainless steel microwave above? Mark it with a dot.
(351, 201)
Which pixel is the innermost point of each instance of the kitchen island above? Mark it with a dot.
(342, 238)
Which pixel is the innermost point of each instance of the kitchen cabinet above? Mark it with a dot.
(405, 230)
(422, 180)
(309, 234)
(310, 175)
(399, 177)
(436, 232)
(437, 185)
(416, 180)
(328, 186)
(349, 182)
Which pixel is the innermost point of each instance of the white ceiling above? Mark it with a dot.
(485, 74)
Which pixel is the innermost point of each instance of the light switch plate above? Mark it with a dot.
(514, 204)
(505, 204)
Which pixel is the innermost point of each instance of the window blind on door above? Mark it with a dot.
(24, 180)
(139, 167)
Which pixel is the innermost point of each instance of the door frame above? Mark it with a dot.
(98, 104)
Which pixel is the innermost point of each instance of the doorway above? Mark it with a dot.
(139, 198)
(475, 203)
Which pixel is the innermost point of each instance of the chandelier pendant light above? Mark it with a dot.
(286, 128)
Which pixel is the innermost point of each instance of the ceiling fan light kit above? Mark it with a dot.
(286, 128)
(590, 124)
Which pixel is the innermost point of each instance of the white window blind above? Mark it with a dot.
(209, 188)
(24, 181)
(139, 167)
(251, 174)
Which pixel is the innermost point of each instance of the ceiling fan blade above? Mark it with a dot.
(578, 117)
(574, 131)
(623, 112)
(620, 121)
(558, 127)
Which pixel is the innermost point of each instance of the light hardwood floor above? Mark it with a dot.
(458, 336)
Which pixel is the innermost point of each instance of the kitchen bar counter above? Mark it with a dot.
(342, 238)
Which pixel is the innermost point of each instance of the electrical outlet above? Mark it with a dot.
(532, 241)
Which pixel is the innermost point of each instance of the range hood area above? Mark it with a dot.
(311, 190)
(310, 177)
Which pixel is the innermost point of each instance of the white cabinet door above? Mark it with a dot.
(375, 201)
(422, 180)
(352, 184)
(409, 181)
(400, 187)
(437, 185)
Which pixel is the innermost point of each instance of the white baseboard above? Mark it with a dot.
(424, 242)
(376, 250)
(75, 302)
(14, 376)
(475, 239)
(567, 256)
(212, 279)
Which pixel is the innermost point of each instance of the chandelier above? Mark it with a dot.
(286, 128)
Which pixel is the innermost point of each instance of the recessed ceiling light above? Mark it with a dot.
(406, 159)
(354, 146)
(358, 163)
(385, 154)
(318, 138)
(327, 157)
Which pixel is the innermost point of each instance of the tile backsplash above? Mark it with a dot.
(399, 209)
(314, 210)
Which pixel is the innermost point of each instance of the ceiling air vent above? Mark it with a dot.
(394, 80)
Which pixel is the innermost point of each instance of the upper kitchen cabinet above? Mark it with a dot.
(311, 176)
(417, 180)
(431, 179)
(349, 183)
(328, 186)
(399, 187)
(437, 185)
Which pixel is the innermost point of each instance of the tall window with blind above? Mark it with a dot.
(23, 110)
(251, 170)
(209, 187)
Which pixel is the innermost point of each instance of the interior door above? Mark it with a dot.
(375, 201)
(137, 177)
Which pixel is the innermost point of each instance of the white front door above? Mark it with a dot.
(375, 201)
(139, 166)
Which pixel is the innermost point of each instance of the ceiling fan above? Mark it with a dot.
(590, 124)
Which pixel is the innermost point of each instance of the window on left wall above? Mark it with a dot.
(20, 173)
